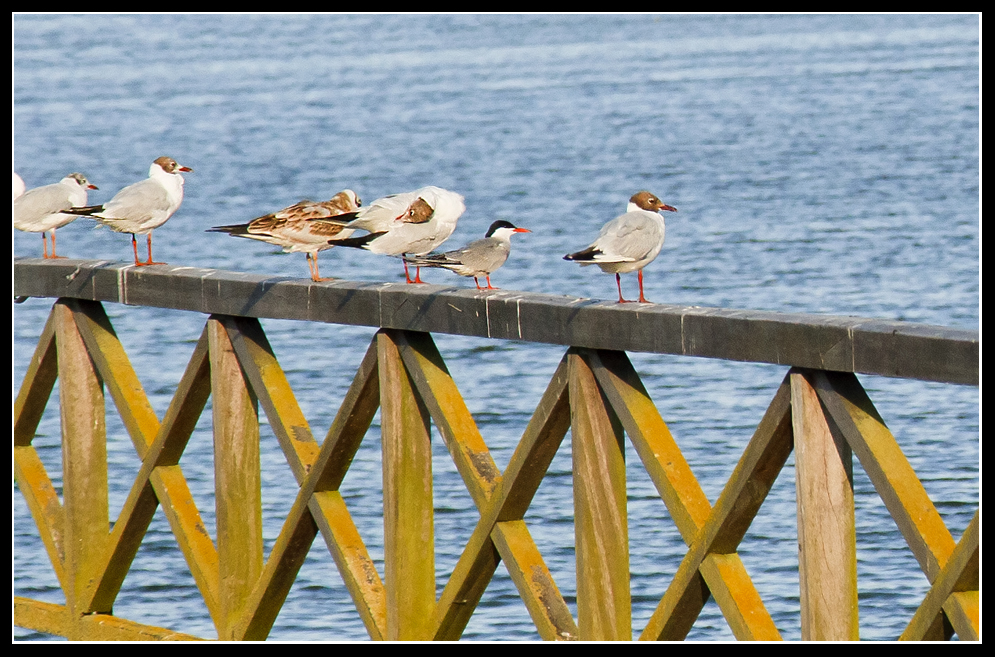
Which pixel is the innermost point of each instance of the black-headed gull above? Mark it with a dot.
(144, 206)
(41, 209)
(478, 258)
(302, 227)
(628, 242)
(411, 223)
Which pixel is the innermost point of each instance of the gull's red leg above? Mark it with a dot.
(642, 299)
(149, 243)
(53, 245)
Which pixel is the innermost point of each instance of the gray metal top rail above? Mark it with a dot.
(826, 342)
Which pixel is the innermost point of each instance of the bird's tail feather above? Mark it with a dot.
(357, 242)
(84, 210)
(588, 254)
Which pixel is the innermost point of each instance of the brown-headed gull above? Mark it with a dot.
(140, 208)
(478, 258)
(628, 242)
(42, 209)
(411, 223)
(302, 227)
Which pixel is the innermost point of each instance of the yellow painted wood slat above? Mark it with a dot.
(37, 386)
(170, 485)
(299, 528)
(44, 505)
(409, 542)
(744, 492)
(890, 472)
(894, 479)
(601, 531)
(115, 369)
(450, 414)
(156, 444)
(327, 506)
(353, 560)
(509, 502)
(270, 385)
(169, 441)
(959, 575)
(237, 480)
(725, 574)
(528, 571)
(55, 619)
(827, 530)
(653, 441)
(84, 462)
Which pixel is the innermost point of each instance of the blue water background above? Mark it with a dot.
(824, 164)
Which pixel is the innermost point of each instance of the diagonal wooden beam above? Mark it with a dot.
(896, 482)
(161, 480)
(888, 469)
(721, 572)
(267, 380)
(508, 504)
(43, 502)
(29, 472)
(445, 404)
(328, 508)
(300, 527)
(718, 538)
(169, 442)
(37, 386)
(111, 361)
(531, 576)
(959, 575)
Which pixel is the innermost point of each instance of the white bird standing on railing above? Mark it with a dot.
(42, 209)
(412, 223)
(144, 206)
(628, 242)
(478, 258)
(302, 227)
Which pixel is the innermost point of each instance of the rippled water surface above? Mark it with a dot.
(823, 164)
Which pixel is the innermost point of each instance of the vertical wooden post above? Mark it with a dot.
(827, 538)
(409, 545)
(84, 464)
(601, 532)
(238, 496)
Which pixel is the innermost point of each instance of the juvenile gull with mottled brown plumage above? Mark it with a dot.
(301, 228)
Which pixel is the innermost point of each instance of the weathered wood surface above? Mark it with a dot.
(844, 344)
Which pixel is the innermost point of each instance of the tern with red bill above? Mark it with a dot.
(628, 242)
(144, 206)
(43, 209)
(412, 223)
(479, 258)
(302, 227)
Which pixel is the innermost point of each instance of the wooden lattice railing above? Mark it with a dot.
(824, 416)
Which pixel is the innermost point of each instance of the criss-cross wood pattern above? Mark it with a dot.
(825, 417)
